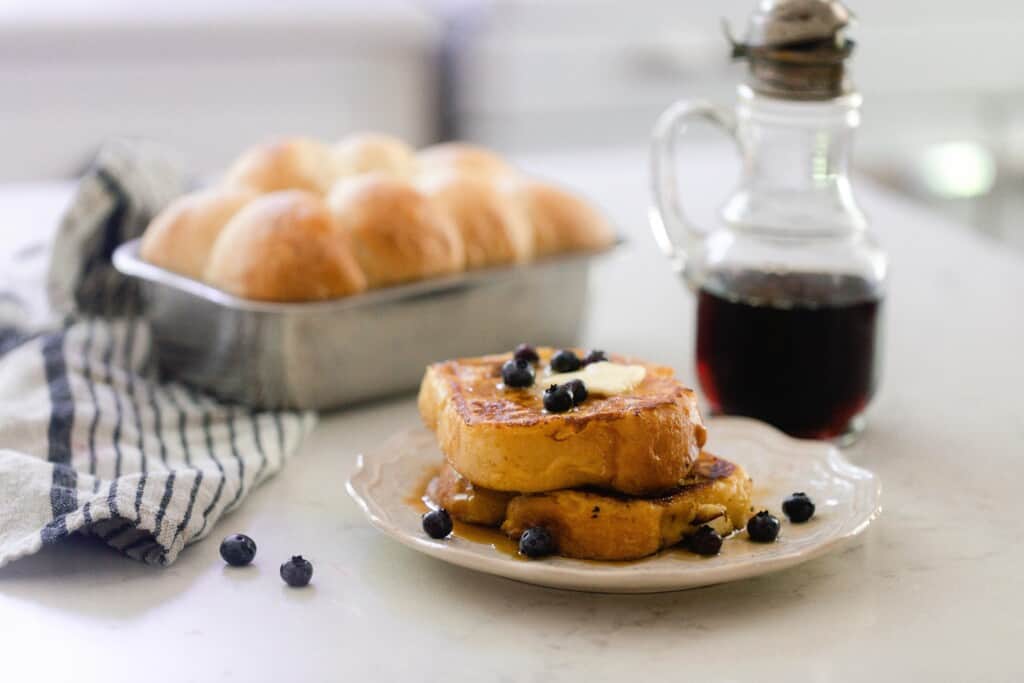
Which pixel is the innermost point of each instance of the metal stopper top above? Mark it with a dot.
(796, 49)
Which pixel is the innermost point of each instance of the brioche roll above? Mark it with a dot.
(283, 247)
(372, 153)
(493, 228)
(397, 233)
(561, 220)
(464, 159)
(181, 236)
(286, 164)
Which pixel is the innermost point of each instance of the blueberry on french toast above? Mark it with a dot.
(557, 398)
(517, 373)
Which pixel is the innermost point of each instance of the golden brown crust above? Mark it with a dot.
(464, 159)
(295, 163)
(595, 526)
(494, 230)
(372, 153)
(499, 438)
(181, 236)
(283, 247)
(397, 233)
(561, 220)
(465, 502)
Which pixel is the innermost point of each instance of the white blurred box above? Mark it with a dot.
(207, 78)
(530, 77)
(537, 75)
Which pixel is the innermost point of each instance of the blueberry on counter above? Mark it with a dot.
(297, 571)
(557, 398)
(437, 523)
(798, 507)
(578, 391)
(706, 541)
(763, 527)
(595, 356)
(517, 373)
(565, 361)
(536, 542)
(527, 353)
(238, 550)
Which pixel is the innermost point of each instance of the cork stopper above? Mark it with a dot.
(797, 49)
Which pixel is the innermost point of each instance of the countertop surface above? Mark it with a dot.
(932, 588)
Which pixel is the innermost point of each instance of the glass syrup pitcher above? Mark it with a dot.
(789, 284)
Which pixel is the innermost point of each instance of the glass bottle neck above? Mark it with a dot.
(795, 162)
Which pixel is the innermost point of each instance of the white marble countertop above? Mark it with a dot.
(932, 589)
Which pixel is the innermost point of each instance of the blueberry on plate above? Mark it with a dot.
(557, 398)
(297, 571)
(238, 550)
(526, 352)
(763, 527)
(437, 523)
(517, 373)
(706, 541)
(536, 542)
(595, 356)
(578, 391)
(565, 361)
(798, 507)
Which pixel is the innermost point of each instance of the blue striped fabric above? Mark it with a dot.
(91, 440)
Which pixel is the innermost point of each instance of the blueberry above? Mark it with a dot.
(517, 373)
(297, 571)
(594, 356)
(706, 541)
(238, 550)
(557, 399)
(565, 361)
(763, 527)
(798, 507)
(578, 391)
(437, 523)
(527, 353)
(536, 542)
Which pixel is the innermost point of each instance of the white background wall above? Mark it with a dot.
(209, 77)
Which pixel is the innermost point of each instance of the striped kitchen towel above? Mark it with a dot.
(91, 440)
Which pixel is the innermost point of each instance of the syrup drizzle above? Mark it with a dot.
(421, 501)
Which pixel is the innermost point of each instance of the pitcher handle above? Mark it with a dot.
(673, 232)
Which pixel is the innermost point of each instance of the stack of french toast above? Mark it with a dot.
(601, 453)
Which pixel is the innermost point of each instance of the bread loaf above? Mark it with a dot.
(297, 220)
(561, 221)
(286, 164)
(181, 236)
(283, 247)
(494, 229)
(372, 153)
(464, 159)
(397, 233)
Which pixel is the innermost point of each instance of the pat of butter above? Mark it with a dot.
(602, 379)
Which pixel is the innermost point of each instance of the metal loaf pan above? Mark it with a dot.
(329, 354)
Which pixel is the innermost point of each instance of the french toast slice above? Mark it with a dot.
(641, 442)
(595, 525)
(465, 502)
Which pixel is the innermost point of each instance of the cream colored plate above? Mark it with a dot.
(847, 499)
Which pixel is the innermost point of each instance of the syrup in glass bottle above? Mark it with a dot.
(789, 284)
